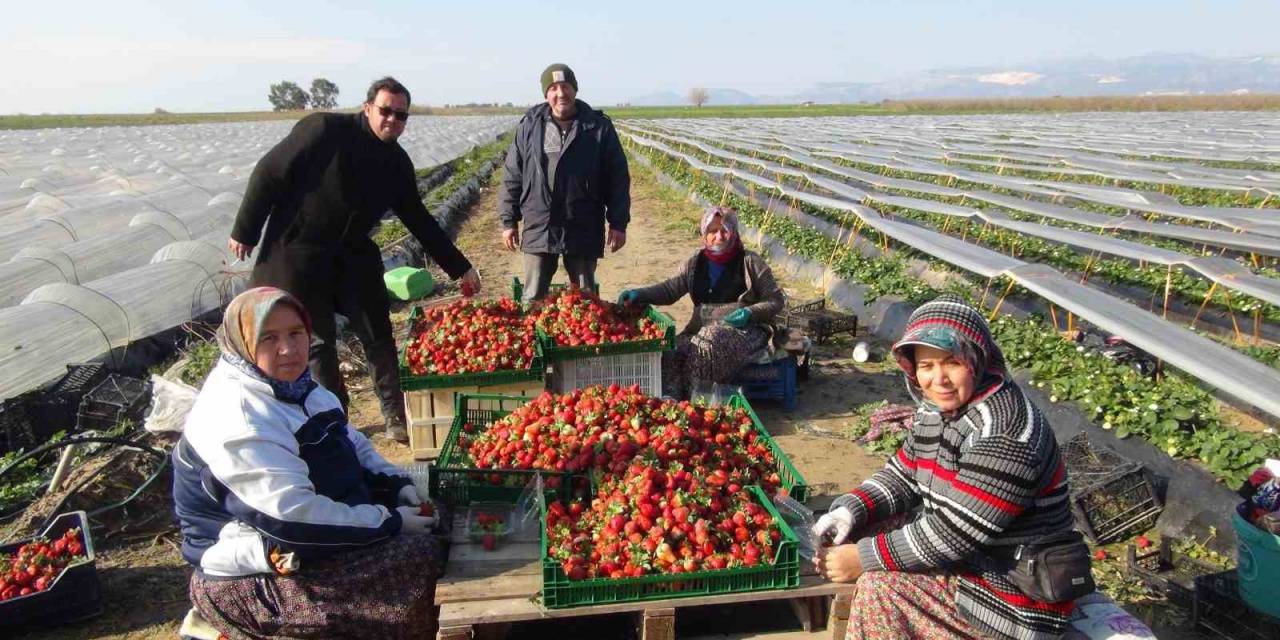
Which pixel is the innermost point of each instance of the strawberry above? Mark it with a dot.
(1100, 555)
(1143, 542)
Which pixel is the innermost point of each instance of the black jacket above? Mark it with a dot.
(592, 185)
(319, 192)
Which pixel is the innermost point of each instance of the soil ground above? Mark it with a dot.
(144, 579)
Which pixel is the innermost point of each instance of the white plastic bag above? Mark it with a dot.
(171, 401)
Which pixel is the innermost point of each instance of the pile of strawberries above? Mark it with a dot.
(571, 317)
(604, 428)
(659, 519)
(670, 479)
(469, 336)
(38, 564)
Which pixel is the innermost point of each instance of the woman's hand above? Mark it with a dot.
(628, 296)
(411, 521)
(839, 564)
(836, 524)
(739, 318)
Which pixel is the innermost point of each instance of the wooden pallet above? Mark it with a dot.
(482, 594)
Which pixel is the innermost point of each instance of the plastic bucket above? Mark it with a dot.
(1258, 560)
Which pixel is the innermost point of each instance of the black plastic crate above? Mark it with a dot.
(818, 321)
(16, 430)
(115, 400)
(1219, 610)
(80, 379)
(74, 595)
(1111, 496)
(1167, 572)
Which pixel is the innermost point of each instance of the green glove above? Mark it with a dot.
(739, 318)
(629, 296)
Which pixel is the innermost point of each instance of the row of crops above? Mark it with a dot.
(1080, 212)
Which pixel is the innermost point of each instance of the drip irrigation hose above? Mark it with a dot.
(110, 440)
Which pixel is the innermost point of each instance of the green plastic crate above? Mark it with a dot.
(551, 352)
(555, 353)
(456, 483)
(558, 592)
(408, 283)
(792, 481)
(410, 382)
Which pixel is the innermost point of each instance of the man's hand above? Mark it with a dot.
(511, 238)
(470, 283)
(239, 249)
(839, 564)
(615, 240)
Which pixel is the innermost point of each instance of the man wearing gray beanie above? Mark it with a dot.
(565, 177)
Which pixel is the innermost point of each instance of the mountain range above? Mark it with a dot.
(1151, 74)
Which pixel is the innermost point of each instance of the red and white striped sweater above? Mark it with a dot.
(987, 478)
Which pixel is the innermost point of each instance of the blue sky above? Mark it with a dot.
(76, 56)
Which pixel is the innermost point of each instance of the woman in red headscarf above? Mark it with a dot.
(735, 298)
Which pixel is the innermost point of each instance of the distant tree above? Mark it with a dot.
(698, 96)
(287, 96)
(324, 94)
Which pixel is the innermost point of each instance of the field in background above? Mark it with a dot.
(52, 121)
(887, 107)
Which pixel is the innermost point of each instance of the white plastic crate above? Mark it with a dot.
(644, 369)
(430, 412)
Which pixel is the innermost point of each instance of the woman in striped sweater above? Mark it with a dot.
(978, 475)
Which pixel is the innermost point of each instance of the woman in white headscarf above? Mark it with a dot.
(295, 525)
(735, 299)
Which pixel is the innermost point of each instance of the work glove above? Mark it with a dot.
(739, 318)
(412, 522)
(628, 296)
(412, 496)
(837, 522)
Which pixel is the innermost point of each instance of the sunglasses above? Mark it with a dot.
(388, 112)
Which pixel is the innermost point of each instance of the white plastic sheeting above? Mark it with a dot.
(1232, 372)
(1235, 277)
(114, 234)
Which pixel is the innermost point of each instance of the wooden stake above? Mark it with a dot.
(1001, 300)
(1168, 282)
(984, 292)
(1088, 266)
(1053, 315)
(1226, 293)
(1257, 326)
(1207, 296)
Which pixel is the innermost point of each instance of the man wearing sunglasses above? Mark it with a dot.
(565, 176)
(319, 193)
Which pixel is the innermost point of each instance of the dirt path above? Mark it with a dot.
(661, 236)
